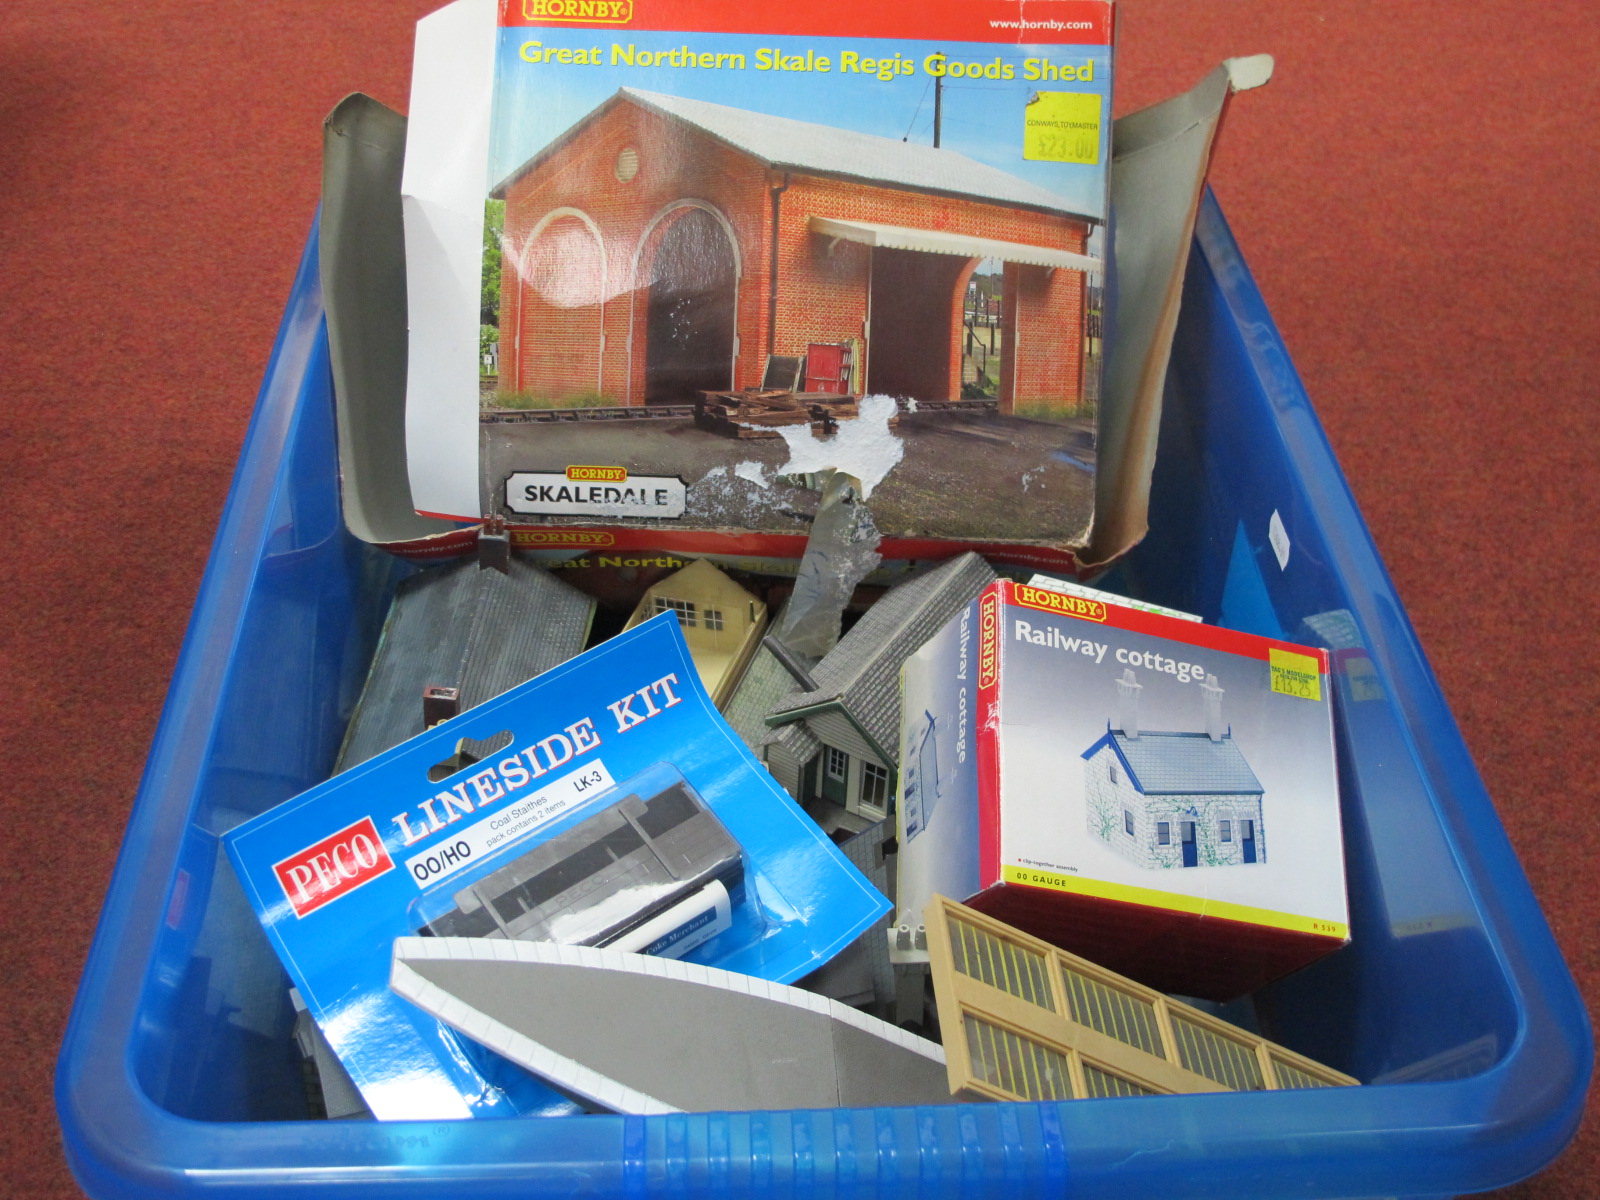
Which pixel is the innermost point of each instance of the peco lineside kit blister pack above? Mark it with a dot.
(716, 251)
(603, 803)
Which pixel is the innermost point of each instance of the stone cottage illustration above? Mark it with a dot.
(664, 246)
(1169, 799)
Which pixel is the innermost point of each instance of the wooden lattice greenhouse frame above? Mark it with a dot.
(1024, 1020)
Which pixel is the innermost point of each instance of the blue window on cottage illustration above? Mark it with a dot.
(1225, 830)
(1112, 771)
(1127, 822)
(1163, 833)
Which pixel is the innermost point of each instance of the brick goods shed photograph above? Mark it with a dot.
(662, 247)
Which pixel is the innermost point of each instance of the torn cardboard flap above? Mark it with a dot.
(363, 268)
(1158, 172)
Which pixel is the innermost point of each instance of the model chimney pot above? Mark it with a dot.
(1128, 689)
(1211, 698)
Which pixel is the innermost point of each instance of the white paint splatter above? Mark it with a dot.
(865, 447)
(753, 471)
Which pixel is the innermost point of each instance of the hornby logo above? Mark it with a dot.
(988, 627)
(1057, 602)
(334, 867)
(589, 12)
(560, 537)
(597, 474)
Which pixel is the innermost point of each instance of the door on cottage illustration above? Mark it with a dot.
(1191, 854)
(1247, 841)
(689, 326)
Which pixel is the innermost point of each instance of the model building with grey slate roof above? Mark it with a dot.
(456, 626)
(834, 747)
(1173, 799)
(764, 683)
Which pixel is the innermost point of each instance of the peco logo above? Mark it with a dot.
(604, 12)
(334, 867)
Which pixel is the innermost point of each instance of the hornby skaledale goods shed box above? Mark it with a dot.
(1452, 1003)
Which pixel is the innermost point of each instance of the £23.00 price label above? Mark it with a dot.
(1062, 127)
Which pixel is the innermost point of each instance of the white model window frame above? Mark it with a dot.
(873, 792)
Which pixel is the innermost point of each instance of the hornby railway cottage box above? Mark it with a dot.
(726, 249)
(1156, 795)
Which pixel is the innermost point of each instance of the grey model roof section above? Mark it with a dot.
(763, 684)
(1181, 763)
(459, 626)
(800, 742)
(862, 673)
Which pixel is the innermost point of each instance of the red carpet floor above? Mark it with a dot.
(1415, 192)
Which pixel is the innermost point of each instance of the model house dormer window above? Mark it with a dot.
(684, 609)
(837, 763)
(1127, 821)
(627, 165)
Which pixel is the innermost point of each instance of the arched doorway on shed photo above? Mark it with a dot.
(692, 297)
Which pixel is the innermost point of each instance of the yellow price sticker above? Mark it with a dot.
(1062, 127)
(1295, 674)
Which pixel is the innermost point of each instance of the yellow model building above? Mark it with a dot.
(721, 622)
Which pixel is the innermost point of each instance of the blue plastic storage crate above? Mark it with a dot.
(177, 1074)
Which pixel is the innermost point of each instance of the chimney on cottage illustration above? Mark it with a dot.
(1211, 701)
(1128, 689)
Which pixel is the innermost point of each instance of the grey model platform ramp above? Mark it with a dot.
(463, 627)
(636, 1034)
